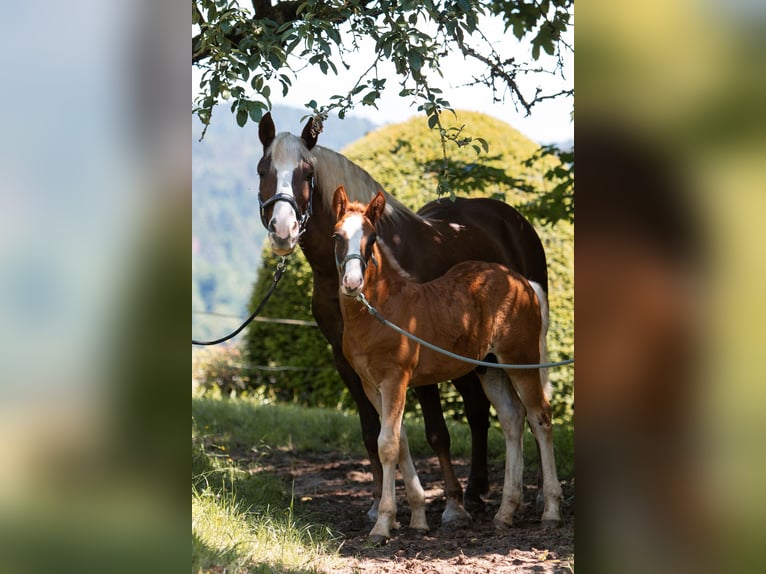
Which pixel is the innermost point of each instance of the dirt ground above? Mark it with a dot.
(336, 492)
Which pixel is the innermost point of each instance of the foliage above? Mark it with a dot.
(291, 363)
(401, 157)
(219, 370)
(245, 50)
(556, 203)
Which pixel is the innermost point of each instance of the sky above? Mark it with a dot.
(550, 121)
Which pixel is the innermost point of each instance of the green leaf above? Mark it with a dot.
(241, 117)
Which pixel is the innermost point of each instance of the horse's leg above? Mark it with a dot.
(510, 413)
(415, 494)
(528, 386)
(438, 437)
(477, 412)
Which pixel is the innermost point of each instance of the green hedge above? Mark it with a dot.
(405, 158)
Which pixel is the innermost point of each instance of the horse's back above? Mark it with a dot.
(492, 231)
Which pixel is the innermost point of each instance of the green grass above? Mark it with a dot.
(242, 517)
(234, 424)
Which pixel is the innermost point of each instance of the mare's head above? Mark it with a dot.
(286, 173)
(354, 238)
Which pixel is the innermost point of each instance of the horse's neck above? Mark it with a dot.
(334, 169)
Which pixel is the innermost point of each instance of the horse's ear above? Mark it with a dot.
(311, 133)
(339, 202)
(266, 130)
(375, 208)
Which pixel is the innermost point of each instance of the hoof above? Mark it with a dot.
(502, 525)
(455, 515)
(550, 524)
(456, 522)
(473, 503)
(378, 540)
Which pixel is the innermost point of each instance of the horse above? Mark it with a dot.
(476, 308)
(297, 181)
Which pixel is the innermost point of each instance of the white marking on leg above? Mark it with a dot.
(510, 413)
(416, 496)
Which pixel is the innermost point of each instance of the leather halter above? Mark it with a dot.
(341, 265)
(302, 218)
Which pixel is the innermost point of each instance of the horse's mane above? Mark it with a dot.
(360, 186)
(332, 170)
(392, 260)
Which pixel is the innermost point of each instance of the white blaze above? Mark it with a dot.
(353, 275)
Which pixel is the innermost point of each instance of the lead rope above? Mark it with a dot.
(277, 276)
(374, 312)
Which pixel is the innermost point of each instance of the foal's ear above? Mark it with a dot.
(266, 130)
(375, 208)
(311, 132)
(339, 202)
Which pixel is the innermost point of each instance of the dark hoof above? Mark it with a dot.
(550, 524)
(473, 503)
(457, 524)
(378, 540)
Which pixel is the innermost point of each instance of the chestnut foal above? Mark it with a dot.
(476, 308)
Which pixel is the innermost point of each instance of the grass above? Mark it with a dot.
(242, 517)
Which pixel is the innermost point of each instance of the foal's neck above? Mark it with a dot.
(387, 276)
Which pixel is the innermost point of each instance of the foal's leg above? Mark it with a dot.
(388, 399)
(510, 413)
(370, 422)
(528, 385)
(415, 494)
(438, 437)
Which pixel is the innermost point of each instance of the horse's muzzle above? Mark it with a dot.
(283, 246)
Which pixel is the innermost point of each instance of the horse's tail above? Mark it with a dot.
(544, 314)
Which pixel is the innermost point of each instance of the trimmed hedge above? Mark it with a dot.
(406, 159)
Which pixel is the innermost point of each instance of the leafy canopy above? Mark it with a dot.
(245, 50)
(240, 46)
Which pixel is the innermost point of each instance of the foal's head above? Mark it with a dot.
(354, 238)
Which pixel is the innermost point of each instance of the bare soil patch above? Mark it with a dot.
(335, 491)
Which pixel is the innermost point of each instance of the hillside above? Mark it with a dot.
(227, 235)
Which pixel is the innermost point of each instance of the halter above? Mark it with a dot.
(341, 265)
(302, 218)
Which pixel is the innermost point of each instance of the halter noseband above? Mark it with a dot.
(302, 218)
(341, 265)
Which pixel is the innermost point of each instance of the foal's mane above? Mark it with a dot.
(332, 170)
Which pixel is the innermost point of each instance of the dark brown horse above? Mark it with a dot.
(297, 181)
(474, 309)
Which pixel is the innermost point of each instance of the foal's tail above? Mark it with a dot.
(544, 313)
